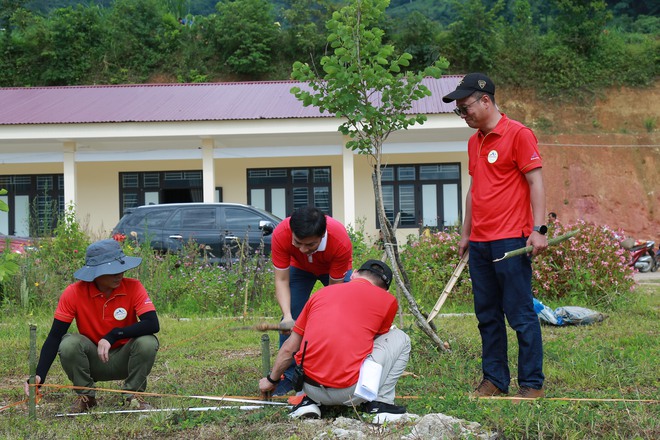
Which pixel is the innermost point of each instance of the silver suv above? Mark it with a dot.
(219, 228)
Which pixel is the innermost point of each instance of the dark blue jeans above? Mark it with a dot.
(301, 284)
(505, 289)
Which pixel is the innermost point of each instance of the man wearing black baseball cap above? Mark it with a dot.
(344, 331)
(504, 210)
(472, 82)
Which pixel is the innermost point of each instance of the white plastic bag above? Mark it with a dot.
(567, 315)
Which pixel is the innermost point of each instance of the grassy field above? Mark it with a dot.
(615, 359)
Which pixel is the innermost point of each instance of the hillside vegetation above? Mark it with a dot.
(554, 46)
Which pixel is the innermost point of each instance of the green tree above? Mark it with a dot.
(178, 8)
(474, 40)
(245, 36)
(71, 46)
(580, 24)
(515, 67)
(303, 30)
(363, 83)
(21, 63)
(140, 36)
(418, 35)
(7, 9)
(196, 58)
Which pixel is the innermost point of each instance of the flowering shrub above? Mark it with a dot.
(590, 268)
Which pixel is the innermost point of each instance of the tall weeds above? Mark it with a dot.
(589, 269)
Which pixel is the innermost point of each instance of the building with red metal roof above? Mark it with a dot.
(107, 148)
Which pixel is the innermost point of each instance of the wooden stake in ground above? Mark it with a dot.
(32, 398)
(265, 360)
(450, 285)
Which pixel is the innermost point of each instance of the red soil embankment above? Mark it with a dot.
(601, 159)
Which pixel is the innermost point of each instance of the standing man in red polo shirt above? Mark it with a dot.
(306, 247)
(112, 343)
(504, 210)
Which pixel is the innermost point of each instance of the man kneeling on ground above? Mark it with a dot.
(340, 327)
(112, 344)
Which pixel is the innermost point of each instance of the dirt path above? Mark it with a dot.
(648, 277)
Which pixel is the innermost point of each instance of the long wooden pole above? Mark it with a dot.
(450, 285)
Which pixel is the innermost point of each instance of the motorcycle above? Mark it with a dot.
(643, 258)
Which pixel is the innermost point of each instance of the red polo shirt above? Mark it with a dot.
(340, 323)
(498, 162)
(335, 259)
(97, 315)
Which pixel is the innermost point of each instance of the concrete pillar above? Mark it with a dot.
(69, 153)
(208, 170)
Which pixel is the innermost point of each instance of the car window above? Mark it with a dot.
(194, 219)
(156, 218)
(239, 218)
(132, 218)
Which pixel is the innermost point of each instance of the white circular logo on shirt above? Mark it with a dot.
(492, 156)
(120, 314)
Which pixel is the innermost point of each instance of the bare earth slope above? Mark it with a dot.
(601, 159)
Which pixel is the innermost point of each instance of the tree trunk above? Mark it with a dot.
(392, 250)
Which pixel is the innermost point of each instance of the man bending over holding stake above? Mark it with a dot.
(306, 247)
(339, 328)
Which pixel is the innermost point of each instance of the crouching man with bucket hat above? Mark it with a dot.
(116, 322)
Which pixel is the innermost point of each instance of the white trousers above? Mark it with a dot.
(391, 351)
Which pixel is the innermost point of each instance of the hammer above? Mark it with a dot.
(261, 327)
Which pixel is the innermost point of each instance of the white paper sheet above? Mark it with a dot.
(369, 380)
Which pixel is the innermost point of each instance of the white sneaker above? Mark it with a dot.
(381, 418)
(307, 408)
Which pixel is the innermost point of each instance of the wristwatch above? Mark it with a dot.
(274, 382)
(541, 229)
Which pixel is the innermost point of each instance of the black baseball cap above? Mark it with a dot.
(379, 268)
(472, 82)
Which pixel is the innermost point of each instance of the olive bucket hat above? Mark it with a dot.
(105, 257)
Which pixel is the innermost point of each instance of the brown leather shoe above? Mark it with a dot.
(83, 403)
(487, 389)
(528, 393)
(136, 403)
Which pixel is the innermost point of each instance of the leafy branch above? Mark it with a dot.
(365, 84)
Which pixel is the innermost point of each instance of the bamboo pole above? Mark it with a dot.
(450, 285)
(528, 249)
